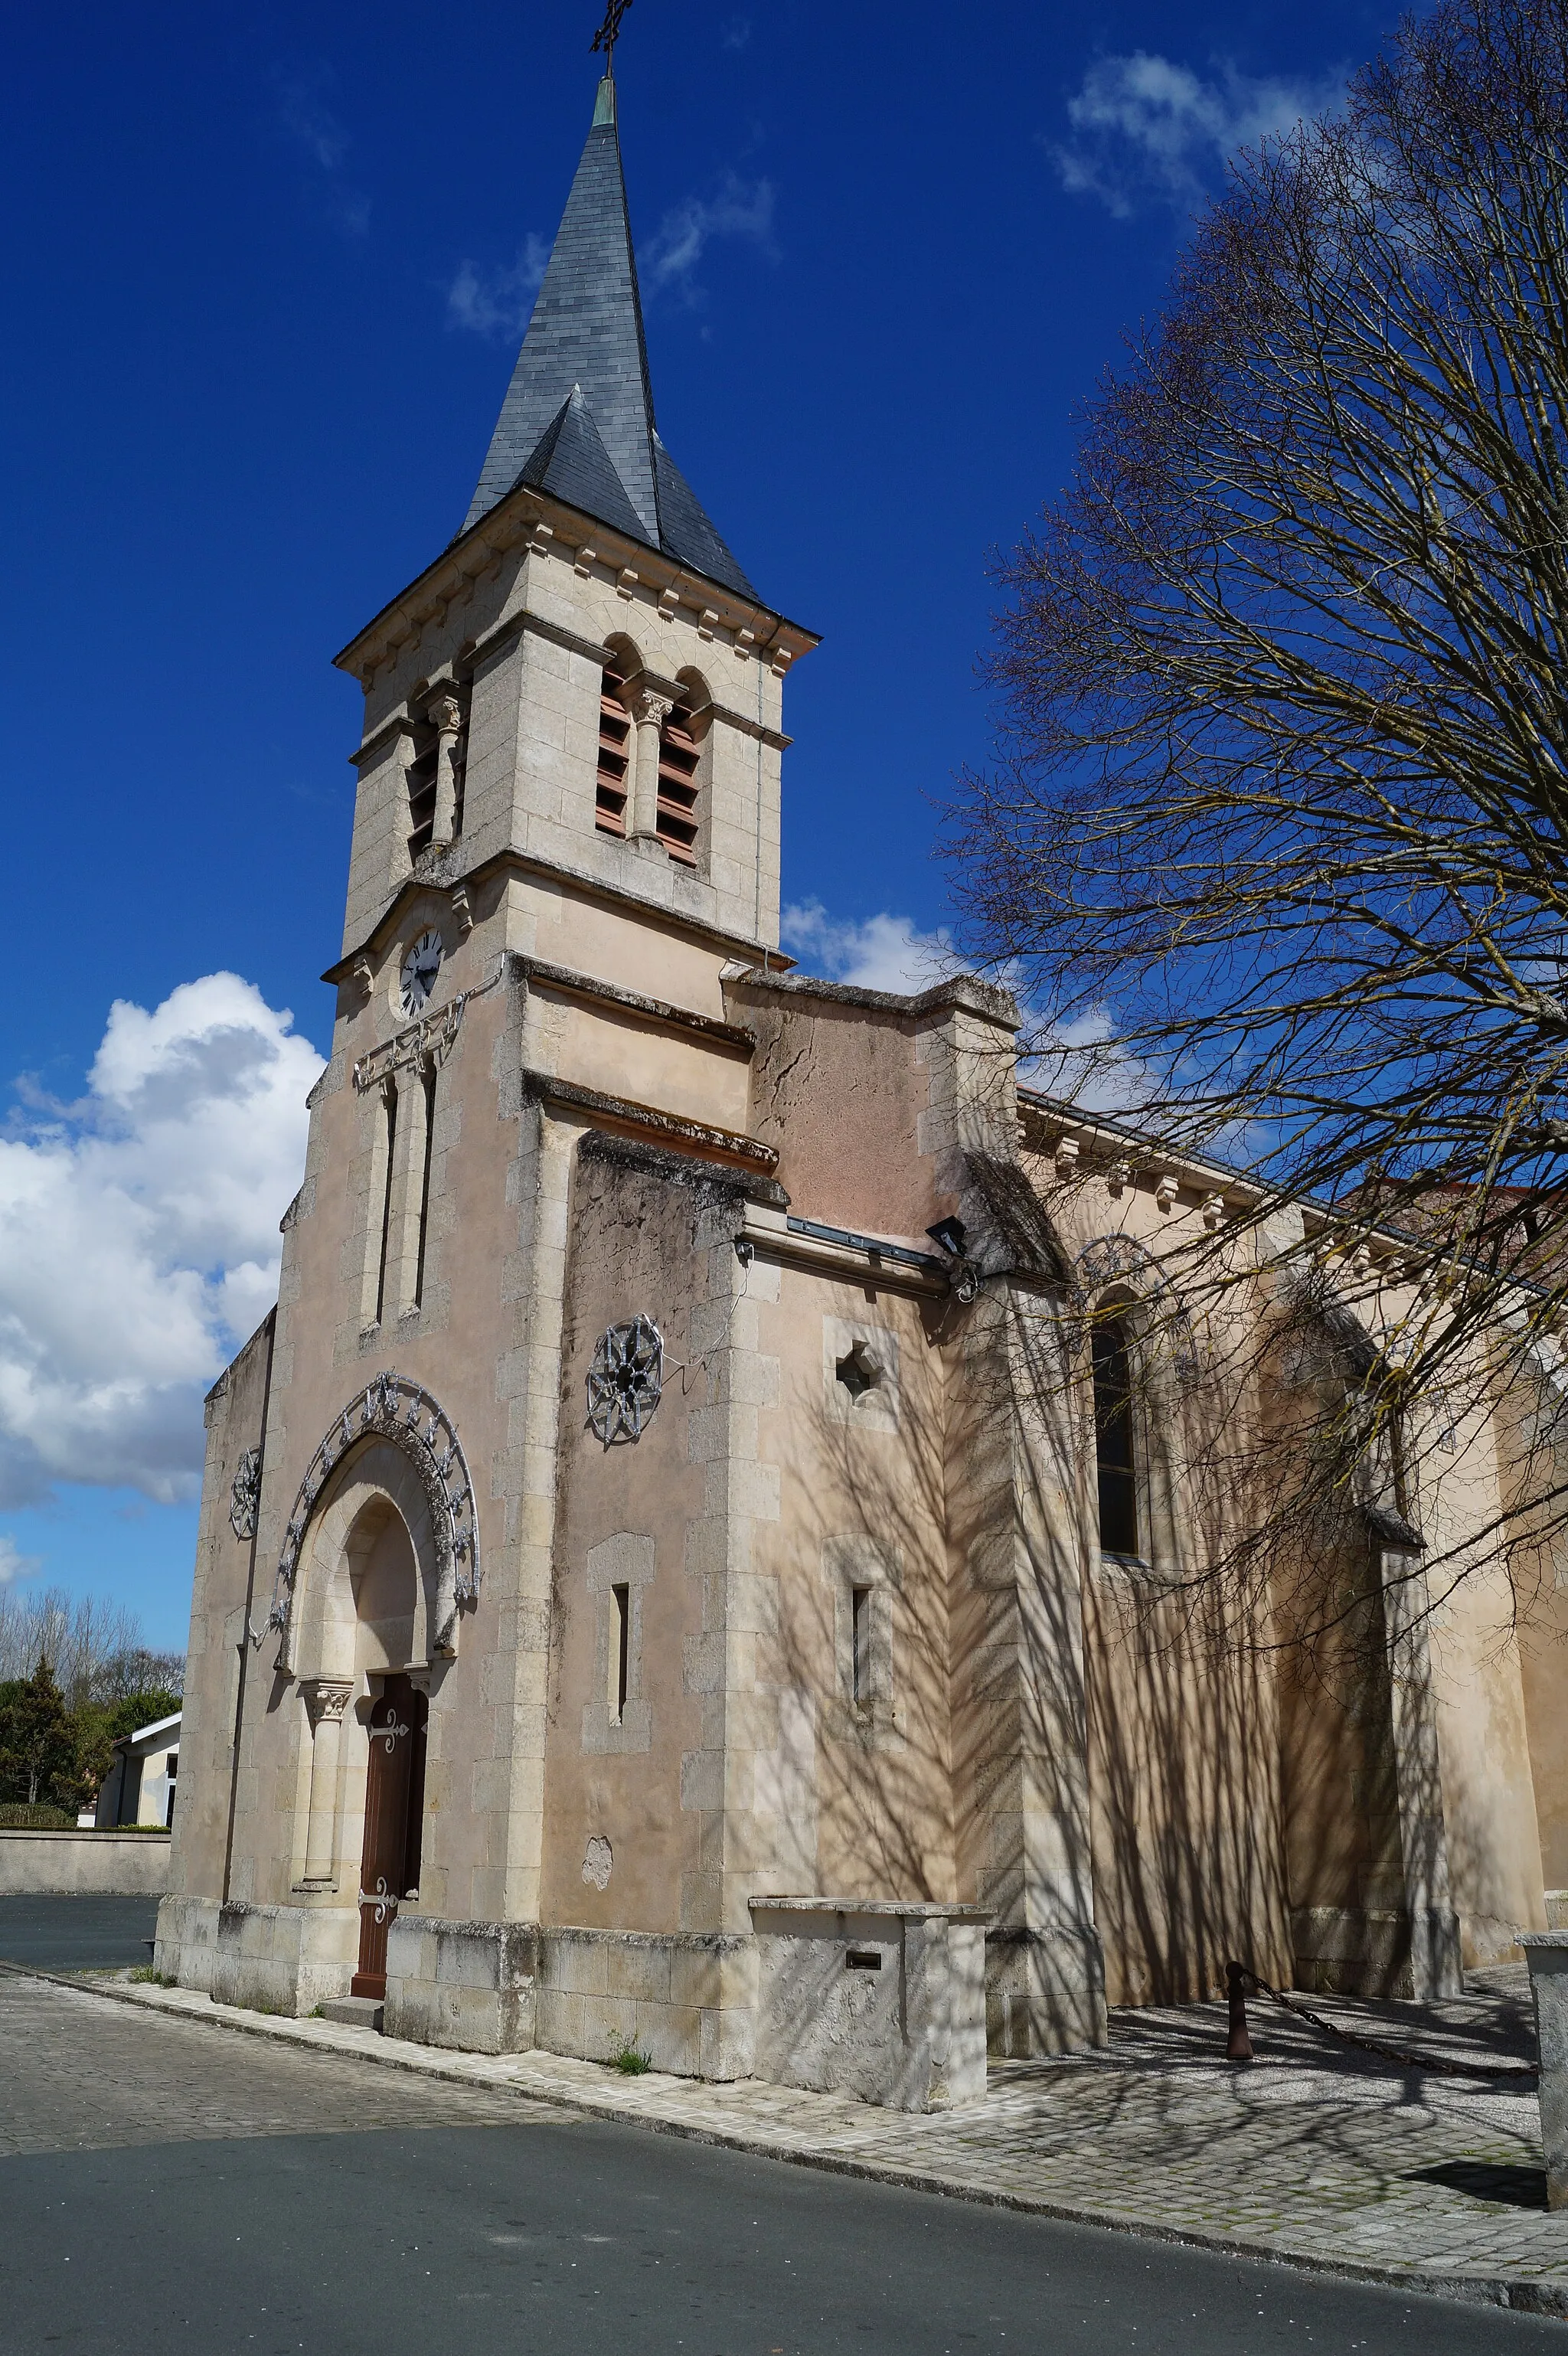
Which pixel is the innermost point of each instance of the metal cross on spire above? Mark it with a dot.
(609, 32)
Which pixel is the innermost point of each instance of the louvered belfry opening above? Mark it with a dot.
(422, 802)
(614, 757)
(424, 778)
(679, 755)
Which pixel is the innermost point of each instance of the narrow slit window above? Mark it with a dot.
(677, 816)
(1114, 1437)
(429, 1086)
(614, 757)
(860, 1642)
(389, 1143)
(620, 1649)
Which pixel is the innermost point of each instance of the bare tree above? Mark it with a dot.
(96, 1651)
(1280, 810)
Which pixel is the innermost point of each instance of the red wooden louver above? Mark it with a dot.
(676, 819)
(615, 754)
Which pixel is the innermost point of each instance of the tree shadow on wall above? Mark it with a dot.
(1069, 1747)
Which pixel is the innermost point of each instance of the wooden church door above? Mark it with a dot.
(394, 1811)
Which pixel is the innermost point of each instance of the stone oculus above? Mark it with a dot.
(636, 1599)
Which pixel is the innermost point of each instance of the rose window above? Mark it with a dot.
(625, 1380)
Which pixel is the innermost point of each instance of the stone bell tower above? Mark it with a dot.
(566, 841)
(585, 682)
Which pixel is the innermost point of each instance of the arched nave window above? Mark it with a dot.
(1116, 1433)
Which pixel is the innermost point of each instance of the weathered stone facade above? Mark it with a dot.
(834, 1624)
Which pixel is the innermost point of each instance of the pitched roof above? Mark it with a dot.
(578, 418)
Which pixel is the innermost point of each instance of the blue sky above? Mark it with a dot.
(267, 273)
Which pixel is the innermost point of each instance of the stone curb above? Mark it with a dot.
(1522, 2294)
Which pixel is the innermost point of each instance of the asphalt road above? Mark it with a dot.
(167, 2186)
(77, 1934)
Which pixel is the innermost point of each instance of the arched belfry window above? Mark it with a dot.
(1115, 1432)
(616, 752)
(680, 756)
(436, 774)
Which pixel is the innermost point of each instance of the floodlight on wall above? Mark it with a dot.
(966, 1279)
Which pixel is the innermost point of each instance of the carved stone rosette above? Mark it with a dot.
(244, 1496)
(625, 1380)
(393, 1409)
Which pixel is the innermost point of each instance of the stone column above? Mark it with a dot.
(446, 716)
(325, 1700)
(1546, 1952)
(650, 711)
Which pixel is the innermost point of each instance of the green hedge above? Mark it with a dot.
(34, 1816)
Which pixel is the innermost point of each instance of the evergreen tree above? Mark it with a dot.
(38, 1740)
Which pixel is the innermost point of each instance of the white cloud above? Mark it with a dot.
(743, 210)
(736, 34)
(307, 119)
(139, 1238)
(1084, 1062)
(1146, 129)
(882, 952)
(497, 301)
(13, 1563)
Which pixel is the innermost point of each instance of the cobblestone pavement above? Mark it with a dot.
(1316, 2154)
(83, 2075)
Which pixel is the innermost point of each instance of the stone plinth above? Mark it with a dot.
(882, 2001)
(1546, 1952)
(285, 1959)
(470, 1986)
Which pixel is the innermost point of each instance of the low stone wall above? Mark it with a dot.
(1546, 1952)
(83, 1864)
(470, 1986)
(686, 1999)
(1372, 1951)
(1045, 1991)
(884, 2002)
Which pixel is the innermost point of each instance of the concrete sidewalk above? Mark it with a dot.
(1315, 2156)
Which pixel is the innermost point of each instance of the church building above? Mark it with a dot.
(672, 1575)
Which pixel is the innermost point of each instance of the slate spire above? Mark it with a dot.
(578, 418)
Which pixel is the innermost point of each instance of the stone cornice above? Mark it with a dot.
(965, 992)
(495, 641)
(517, 519)
(629, 1118)
(656, 1011)
(834, 1254)
(592, 887)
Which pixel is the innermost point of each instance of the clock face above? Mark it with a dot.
(420, 968)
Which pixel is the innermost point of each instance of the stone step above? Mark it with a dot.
(357, 2011)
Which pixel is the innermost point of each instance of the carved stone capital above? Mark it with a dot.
(651, 710)
(325, 1699)
(445, 715)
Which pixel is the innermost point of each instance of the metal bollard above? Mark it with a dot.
(1238, 2044)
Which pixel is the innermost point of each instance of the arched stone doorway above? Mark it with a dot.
(384, 1583)
(361, 1627)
